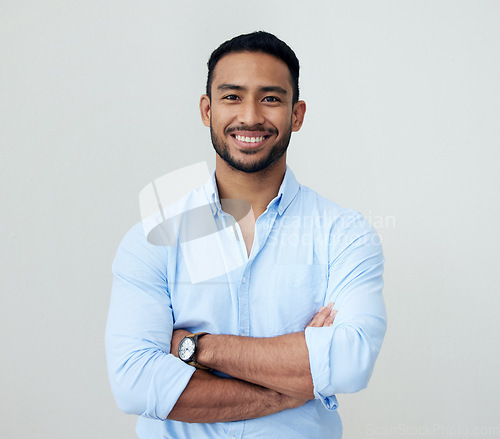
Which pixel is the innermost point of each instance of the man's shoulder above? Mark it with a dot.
(134, 236)
(135, 244)
(318, 205)
(156, 232)
(329, 218)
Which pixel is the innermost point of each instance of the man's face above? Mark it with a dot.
(250, 113)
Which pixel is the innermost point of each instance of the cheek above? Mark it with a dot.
(281, 120)
(221, 119)
(284, 127)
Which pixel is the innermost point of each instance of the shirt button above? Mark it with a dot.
(244, 280)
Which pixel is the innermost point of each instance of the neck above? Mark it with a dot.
(257, 188)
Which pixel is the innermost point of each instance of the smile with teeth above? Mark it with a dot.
(250, 139)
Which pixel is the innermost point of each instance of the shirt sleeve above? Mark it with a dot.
(342, 357)
(145, 378)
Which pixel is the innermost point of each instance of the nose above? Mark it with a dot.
(250, 113)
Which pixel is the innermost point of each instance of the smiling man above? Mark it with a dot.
(261, 350)
(252, 117)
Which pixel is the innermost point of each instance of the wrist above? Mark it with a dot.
(205, 350)
(188, 350)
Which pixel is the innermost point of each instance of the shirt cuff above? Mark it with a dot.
(163, 394)
(318, 341)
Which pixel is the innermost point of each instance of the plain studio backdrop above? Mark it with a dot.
(98, 98)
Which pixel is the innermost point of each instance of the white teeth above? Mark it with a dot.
(249, 139)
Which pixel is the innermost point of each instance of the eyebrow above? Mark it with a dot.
(266, 89)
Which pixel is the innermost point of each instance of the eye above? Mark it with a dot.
(230, 97)
(271, 99)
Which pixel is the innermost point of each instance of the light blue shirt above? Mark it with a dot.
(307, 252)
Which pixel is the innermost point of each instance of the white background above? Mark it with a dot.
(98, 98)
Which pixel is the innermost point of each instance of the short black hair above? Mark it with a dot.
(259, 41)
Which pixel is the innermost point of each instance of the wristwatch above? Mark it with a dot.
(188, 348)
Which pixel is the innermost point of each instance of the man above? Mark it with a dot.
(276, 338)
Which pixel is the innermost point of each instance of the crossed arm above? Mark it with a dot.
(272, 374)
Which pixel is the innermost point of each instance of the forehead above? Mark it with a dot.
(252, 69)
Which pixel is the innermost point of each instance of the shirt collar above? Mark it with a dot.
(286, 193)
(288, 190)
(212, 193)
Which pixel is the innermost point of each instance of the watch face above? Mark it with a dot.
(186, 349)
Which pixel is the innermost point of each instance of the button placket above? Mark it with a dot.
(243, 297)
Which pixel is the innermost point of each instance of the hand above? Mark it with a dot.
(177, 336)
(324, 317)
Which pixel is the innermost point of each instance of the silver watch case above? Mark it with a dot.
(187, 349)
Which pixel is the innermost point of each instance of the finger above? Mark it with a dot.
(314, 321)
(320, 317)
(330, 319)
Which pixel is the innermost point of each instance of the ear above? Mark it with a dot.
(205, 110)
(299, 111)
